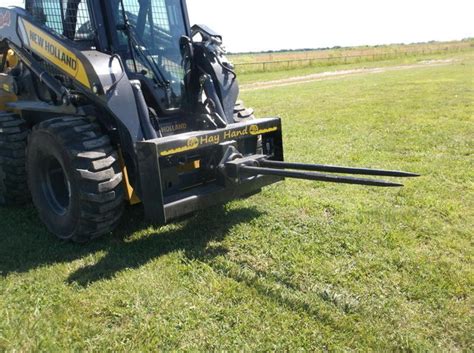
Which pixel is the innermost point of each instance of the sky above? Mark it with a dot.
(258, 25)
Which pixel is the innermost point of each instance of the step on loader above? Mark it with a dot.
(110, 101)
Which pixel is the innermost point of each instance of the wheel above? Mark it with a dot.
(75, 178)
(13, 137)
(241, 113)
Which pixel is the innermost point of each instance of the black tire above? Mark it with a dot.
(241, 113)
(75, 178)
(13, 137)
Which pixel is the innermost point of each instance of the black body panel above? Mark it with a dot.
(211, 186)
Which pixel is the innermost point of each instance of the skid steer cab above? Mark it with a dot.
(104, 102)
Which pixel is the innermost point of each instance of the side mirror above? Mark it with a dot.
(206, 33)
(186, 47)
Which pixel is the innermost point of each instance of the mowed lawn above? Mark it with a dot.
(307, 265)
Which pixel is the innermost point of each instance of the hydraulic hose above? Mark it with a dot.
(148, 131)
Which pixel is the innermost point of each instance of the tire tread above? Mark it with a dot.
(13, 140)
(97, 172)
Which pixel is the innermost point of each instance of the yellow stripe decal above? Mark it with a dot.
(191, 144)
(258, 131)
(50, 49)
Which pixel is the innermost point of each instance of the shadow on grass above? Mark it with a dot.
(25, 244)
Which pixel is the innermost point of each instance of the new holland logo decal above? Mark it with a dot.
(51, 49)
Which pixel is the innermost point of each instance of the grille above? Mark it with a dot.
(70, 18)
(158, 16)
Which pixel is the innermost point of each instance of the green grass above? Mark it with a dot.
(246, 78)
(302, 265)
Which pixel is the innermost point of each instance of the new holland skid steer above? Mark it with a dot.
(110, 101)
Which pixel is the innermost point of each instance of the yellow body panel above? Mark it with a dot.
(130, 194)
(12, 59)
(6, 98)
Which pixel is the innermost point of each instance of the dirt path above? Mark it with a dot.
(332, 75)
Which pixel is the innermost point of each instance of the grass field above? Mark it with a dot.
(395, 49)
(252, 77)
(248, 64)
(304, 265)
